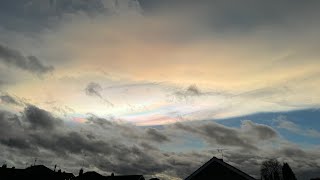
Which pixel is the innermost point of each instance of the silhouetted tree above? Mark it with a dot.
(287, 172)
(270, 170)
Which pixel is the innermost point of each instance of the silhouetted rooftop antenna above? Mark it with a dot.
(220, 150)
(35, 161)
(83, 161)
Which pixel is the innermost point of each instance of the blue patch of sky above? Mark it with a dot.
(305, 119)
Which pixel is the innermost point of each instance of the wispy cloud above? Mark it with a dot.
(283, 123)
(6, 98)
(94, 89)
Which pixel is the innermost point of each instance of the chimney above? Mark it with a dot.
(81, 172)
(220, 159)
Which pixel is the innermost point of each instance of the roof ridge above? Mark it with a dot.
(235, 169)
(221, 162)
(201, 167)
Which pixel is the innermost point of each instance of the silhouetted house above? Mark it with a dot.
(217, 169)
(91, 175)
(65, 176)
(9, 173)
(38, 172)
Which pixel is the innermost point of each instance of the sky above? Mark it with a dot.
(155, 87)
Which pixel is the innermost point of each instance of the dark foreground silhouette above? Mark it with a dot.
(218, 169)
(213, 169)
(40, 172)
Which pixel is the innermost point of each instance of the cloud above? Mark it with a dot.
(194, 91)
(107, 154)
(100, 122)
(283, 123)
(94, 89)
(40, 119)
(185, 43)
(134, 85)
(233, 16)
(34, 16)
(262, 132)
(156, 135)
(14, 58)
(6, 98)
(108, 149)
(247, 137)
(190, 91)
(195, 55)
(130, 131)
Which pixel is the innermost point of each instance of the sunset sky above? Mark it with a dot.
(154, 87)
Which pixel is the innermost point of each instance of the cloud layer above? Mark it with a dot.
(114, 146)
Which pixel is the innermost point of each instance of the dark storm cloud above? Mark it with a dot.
(134, 151)
(14, 142)
(156, 135)
(109, 153)
(33, 16)
(129, 131)
(217, 134)
(8, 123)
(94, 89)
(237, 16)
(15, 131)
(100, 122)
(12, 132)
(70, 142)
(293, 152)
(40, 119)
(105, 154)
(14, 58)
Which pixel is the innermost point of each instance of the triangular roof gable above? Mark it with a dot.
(39, 169)
(221, 162)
